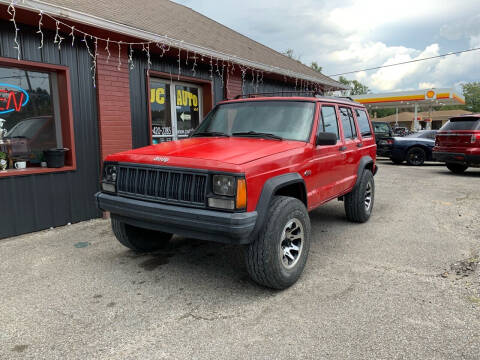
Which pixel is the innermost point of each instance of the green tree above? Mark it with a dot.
(471, 91)
(316, 67)
(355, 87)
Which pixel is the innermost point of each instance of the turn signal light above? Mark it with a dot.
(241, 201)
(473, 139)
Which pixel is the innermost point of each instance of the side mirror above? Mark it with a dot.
(326, 138)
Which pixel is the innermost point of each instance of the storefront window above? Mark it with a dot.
(161, 111)
(175, 109)
(29, 121)
(187, 109)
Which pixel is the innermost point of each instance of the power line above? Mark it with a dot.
(407, 62)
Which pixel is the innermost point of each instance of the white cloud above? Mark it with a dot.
(348, 35)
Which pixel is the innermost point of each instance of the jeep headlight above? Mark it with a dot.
(224, 185)
(110, 173)
(109, 178)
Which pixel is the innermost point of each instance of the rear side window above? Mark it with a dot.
(363, 123)
(329, 120)
(457, 124)
(349, 130)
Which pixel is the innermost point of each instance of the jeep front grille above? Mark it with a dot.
(163, 185)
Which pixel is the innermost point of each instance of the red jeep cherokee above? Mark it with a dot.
(458, 143)
(249, 174)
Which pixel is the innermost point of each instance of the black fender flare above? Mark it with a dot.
(268, 191)
(362, 165)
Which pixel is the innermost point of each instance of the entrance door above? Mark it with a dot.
(175, 109)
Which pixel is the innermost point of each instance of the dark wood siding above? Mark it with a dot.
(35, 202)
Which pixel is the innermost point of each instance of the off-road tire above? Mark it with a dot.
(456, 168)
(416, 156)
(355, 201)
(264, 255)
(139, 239)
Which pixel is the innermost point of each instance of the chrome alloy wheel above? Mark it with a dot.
(368, 196)
(291, 243)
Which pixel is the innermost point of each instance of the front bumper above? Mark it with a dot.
(204, 224)
(457, 158)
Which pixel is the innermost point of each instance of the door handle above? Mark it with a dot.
(359, 144)
(342, 148)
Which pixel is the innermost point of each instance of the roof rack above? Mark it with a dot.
(308, 93)
(280, 93)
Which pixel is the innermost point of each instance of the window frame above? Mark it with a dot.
(368, 121)
(351, 122)
(65, 114)
(321, 124)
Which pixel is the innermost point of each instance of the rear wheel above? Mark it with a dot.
(416, 156)
(457, 168)
(278, 254)
(139, 239)
(359, 202)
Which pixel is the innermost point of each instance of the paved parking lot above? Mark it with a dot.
(404, 285)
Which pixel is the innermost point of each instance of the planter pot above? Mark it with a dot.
(55, 158)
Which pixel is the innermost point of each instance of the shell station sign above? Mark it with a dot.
(12, 98)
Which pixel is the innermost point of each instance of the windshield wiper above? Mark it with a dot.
(210, 133)
(258, 134)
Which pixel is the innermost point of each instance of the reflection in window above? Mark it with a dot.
(329, 117)
(28, 124)
(363, 123)
(348, 124)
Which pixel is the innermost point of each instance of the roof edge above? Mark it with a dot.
(91, 20)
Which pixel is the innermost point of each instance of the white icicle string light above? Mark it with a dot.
(243, 70)
(40, 28)
(211, 67)
(130, 57)
(164, 46)
(58, 39)
(107, 50)
(11, 11)
(72, 34)
(179, 63)
(94, 64)
(119, 66)
(194, 68)
(146, 50)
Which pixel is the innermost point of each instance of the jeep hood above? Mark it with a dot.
(187, 152)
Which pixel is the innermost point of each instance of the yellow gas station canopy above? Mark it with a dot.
(408, 99)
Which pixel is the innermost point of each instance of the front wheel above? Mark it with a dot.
(359, 201)
(456, 168)
(139, 239)
(278, 254)
(416, 156)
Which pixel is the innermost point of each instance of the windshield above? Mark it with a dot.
(381, 127)
(457, 124)
(291, 120)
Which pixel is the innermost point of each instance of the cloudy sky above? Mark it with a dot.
(346, 35)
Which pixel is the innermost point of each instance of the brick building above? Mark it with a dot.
(99, 77)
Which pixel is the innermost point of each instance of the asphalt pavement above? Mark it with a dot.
(404, 285)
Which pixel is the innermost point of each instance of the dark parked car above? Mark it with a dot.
(383, 137)
(415, 148)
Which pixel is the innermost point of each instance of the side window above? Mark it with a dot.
(349, 130)
(329, 121)
(363, 123)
